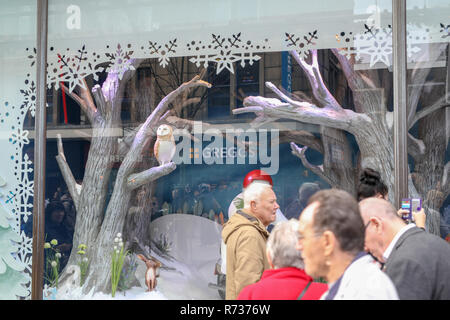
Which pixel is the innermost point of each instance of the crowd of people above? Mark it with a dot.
(343, 247)
(328, 244)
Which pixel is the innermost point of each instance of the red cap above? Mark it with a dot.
(256, 175)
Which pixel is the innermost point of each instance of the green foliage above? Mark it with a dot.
(83, 262)
(117, 259)
(52, 263)
(127, 275)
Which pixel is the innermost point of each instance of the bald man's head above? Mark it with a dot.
(377, 207)
(381, 225)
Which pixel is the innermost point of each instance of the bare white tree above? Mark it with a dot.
(96, 226)
(371, 124)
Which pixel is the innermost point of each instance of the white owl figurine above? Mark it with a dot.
(164, 148)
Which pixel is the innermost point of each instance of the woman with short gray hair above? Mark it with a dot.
(286, 280)
(281, 251)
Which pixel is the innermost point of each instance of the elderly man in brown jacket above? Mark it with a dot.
(245, 237)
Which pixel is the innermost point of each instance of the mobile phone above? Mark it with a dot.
(416, 204)
(406, 205)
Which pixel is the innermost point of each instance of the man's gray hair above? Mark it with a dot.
(281, 245)
(253, 192)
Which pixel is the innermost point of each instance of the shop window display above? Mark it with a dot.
(167, 195)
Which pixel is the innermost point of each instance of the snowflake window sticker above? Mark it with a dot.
(374, 42)
(29, 97)
(162, 53)
(226, 51)
(377, 43)
(71, 68)
(19, 136)
(22, 195)
(120, 61)
(302, 45)
(445, 30)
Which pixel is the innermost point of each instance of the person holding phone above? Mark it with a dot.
(371, 185)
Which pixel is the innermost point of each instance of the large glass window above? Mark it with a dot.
(219, 93)
(17, 111)
(157, 111)
(428, 112)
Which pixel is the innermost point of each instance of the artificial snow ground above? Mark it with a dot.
(194, 244)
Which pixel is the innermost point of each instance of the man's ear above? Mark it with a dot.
(328, 242)
(377, 224)
(253, 205)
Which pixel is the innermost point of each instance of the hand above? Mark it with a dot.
(419, 218)
(402, 213)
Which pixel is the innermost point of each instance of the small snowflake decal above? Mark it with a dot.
(301, 45)
(120, 62)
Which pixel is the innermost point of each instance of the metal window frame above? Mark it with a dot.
(400, 129)
(400, 101)
(37, 270)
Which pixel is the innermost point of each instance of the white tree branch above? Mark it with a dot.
(419, 75)
(302, 137)
(416, 147)
(145, 132)
(162, 107)
(428, 110)
(66, 172)
(270, 108)
(138, 179)
(99, 99)
(446, 180)
(84, 100)
(319, 89)
(318, 170)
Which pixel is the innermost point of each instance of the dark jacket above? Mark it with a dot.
(419, 266)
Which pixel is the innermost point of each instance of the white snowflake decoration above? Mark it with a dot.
(302, 45)
(377, 43)
(20, 137)
(120, 62)
(25, 190)
(29, 97)
(72, 69)
(225, 60)
(226, 51)
(162, 53)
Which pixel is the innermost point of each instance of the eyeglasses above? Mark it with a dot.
(365, 227)
(301, 237)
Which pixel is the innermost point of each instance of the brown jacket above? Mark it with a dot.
(245, 239)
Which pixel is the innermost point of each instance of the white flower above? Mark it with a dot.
(116, 240)
(54, 264)
(85, 259)
(117, 251)
(120, 244)
(58, 255)
(115, 248)
(119, 235)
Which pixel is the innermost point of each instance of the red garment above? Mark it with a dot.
(283, 284)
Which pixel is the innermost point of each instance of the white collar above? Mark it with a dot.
(389, 249)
